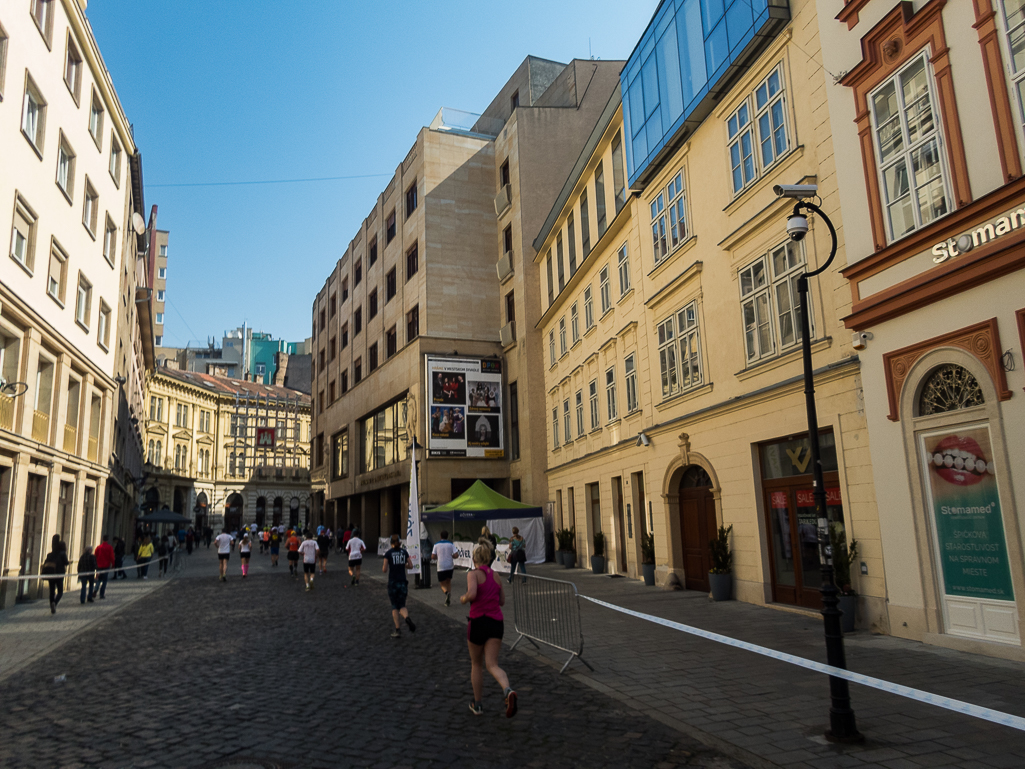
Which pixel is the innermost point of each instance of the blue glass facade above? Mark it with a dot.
(690, 50)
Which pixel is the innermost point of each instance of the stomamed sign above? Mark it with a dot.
(264, 437)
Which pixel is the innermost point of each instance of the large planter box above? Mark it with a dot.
(598, 564)
(558, 557)
(569, 558)
(648, 570)
(722, 586)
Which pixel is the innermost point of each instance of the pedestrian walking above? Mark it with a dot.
(190, 540)
(275, 545)
(87, 574)
(517, 554)
(489, 539)
(355, 548)
(394, 563)
(225, 544)
(484, 631)
(292, 546)
(444, 553)
(119, 558)
(104, 561)
(55, 563)
(208, 534)
(344, 537)
(162, 550)
(323, 546)
(245, 549)
(143, 556)
(309, 549)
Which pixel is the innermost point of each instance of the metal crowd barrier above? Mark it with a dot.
(548, 611)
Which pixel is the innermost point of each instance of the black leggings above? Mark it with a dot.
(56, 589)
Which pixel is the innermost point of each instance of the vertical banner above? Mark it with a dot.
(413, 520)
(961, 486)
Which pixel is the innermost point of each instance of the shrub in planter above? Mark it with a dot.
(598, 559)
(566, 538)
(648, 558)
(720, 576)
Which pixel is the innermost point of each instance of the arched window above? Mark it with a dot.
(949, 388)
(695, 477)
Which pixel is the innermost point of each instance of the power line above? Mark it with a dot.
(183, 319)
(271, 181)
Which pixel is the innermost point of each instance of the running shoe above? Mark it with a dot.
(510, 703)
(410, 625)
(307, 588)
(396, 634)
(476, 709)
(448, 599)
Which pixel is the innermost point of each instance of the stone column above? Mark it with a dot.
(10, 555)
(29, 364)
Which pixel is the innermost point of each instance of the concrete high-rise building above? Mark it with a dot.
(424, 330)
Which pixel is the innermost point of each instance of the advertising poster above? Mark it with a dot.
(464, 408)
(962, 495)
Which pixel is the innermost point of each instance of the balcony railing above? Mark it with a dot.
(467, 123)
(94, 447)
(40, 426)
(6, 412)
(70, 438)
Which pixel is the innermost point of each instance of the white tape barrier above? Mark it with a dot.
(996, 716)
(156, 560)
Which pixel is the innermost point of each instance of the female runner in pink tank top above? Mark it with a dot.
(486, 596)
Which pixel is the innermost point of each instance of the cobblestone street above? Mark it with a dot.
(258, 672)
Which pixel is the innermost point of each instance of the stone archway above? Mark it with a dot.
(692, 495)
(233, 512)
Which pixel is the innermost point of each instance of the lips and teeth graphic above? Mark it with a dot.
(960, 461)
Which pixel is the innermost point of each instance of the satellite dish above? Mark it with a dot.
(138, 223)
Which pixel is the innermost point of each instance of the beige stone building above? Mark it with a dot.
(442, 267)
(927, 127)
(70, 195)
(670, 329)
(226, 452)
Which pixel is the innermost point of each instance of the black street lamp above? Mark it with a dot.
(842, 726)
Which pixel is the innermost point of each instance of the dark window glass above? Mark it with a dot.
(411, 200)
(413, 324)
(372, 311)
(357, 321)
(412, 261)
(372, 253)
(514, 422)
(391, 341)
(390, 225)
(389, 285)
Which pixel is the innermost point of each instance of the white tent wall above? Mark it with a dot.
(531, 529)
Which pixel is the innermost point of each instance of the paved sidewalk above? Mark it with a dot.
(29, 631)
(769, 713)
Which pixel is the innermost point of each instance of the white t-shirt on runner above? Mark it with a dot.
(223, 542)
(309, 549)
(355, 547)
(445, 551)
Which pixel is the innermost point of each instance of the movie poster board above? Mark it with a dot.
(464, 408)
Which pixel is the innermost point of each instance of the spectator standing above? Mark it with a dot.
(56, 563)
(395, 561)
(486, 627)
(87, 574)
(225, 544)
(143, 556)
(309, 550)
(190, 540)
(104, 561)
(162, 551)
(119, 558)
(517, 554)
(323, 546)
(489, 539)
(444, 553)
(355, 549)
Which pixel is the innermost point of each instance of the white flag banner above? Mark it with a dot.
(413, 524)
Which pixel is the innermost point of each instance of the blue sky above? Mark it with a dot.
(231, 91)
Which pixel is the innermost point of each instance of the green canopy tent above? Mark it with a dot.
(480, 505)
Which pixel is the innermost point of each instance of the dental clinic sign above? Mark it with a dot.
(985, 233)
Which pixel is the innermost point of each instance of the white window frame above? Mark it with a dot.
(588, 308)
(580, 412)
(96, 113)
(90, 207)
(83, 301)
(904, 153)
(611, 407)
(161, 295)
(66, 167)
(574, 324)
(23, 245)
(103, 326)
(773, 302)
(114, 165)
(555, 427)
(110, 241)
(758, 124)
(592, 397)
(33, 115)
(562, 335)
(567, 434)
(669, 222)
(57, 292)
(73, 68)
(630, 380)
(159, 319)
(605, 290)
(679, 351)
(551, 347)
(162, 273)
(624, 271)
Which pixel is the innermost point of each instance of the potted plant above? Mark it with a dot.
(843, 557)
(648, 558)
(720, 577)
(598, 559)
(566, 537)
(558, 546)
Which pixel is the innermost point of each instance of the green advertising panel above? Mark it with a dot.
(962, 489)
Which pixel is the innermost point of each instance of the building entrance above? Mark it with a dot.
(233, 512)
(697, 526)
(791, 519)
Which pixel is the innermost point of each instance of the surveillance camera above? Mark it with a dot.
(796, 190)
(797, 227)
(859, 339)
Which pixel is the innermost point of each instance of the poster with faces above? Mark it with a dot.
(464, 408)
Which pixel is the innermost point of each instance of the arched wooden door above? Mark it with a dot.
(697, 526)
